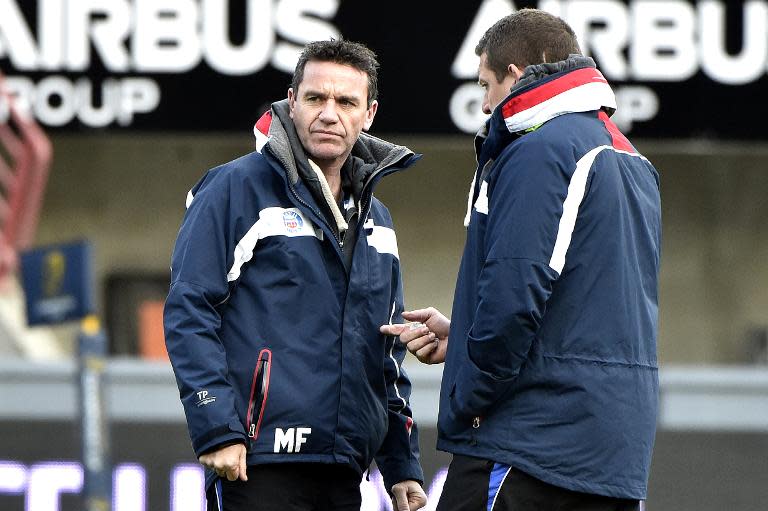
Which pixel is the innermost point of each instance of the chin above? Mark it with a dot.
(326, 153)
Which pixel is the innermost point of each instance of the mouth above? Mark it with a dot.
(326, 133)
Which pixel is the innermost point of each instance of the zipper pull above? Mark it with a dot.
(476, 422)
(252, 431)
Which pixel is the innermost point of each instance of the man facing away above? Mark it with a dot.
(283, 269)
(550, 384)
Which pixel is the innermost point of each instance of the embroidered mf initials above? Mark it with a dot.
(291, 439)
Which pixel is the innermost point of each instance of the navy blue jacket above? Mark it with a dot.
(551, 365)
(274, 341)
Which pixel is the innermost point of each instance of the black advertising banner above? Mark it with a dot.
(680, 69)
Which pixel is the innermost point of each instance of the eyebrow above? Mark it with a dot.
(343, 97)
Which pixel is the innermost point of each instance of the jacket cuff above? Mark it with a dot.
(402, 470)
(227, 434)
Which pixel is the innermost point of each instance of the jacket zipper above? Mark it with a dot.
(259, 393)
(364, 205)
(336, 236)
(475, 427)
(366, 197)
(318, 214)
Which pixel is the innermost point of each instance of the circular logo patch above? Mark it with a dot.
(293, 222)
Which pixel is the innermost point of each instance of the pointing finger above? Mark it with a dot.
(395, 329)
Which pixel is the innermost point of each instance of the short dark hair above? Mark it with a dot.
(344, 52)
(527, 37)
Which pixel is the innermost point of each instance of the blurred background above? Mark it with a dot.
(110, 112)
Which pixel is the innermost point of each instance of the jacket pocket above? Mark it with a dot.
(257, 401)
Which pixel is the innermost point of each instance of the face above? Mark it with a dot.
(495, 91)
(330, 110)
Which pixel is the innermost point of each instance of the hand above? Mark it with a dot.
(426, 336)
(228, 461)
(408, 496)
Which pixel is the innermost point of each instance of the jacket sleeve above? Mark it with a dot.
(398, 457)
(525, 204)
(192, 319)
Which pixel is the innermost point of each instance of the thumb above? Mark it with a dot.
(395, 329)
(420, 315)
(243, 466)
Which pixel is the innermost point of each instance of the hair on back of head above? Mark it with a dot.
(527, 37)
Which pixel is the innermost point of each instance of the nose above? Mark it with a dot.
(328, 113)
(486, 104)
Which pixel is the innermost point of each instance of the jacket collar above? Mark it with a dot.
(275, 130)
(371, 158)
(546, 91)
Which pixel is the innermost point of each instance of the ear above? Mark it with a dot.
(291, 101)
(370, 114)
(515, 71)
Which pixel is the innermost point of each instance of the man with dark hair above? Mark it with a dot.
(283, 269)
(550, 386)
